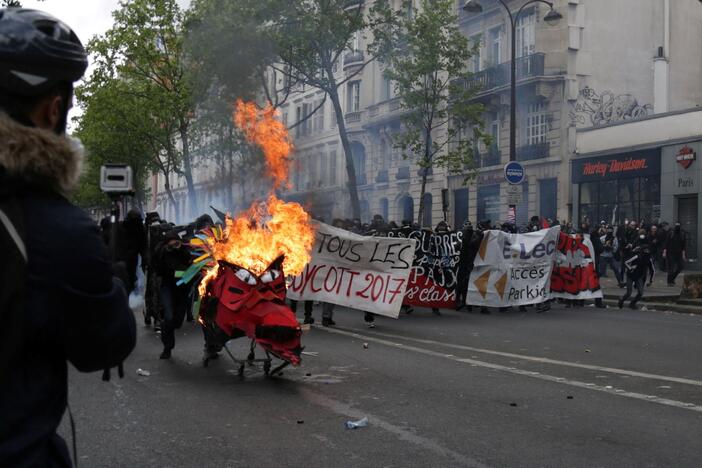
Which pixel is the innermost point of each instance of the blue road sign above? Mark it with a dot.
(514, 173)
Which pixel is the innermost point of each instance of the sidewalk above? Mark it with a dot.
(658, 296)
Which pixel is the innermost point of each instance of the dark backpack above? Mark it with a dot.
(13, 273)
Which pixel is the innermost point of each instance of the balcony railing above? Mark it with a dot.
(352, 4)
(425, 170)
(491, 157)
(536, 151)
(353, 58)
(403, 173)
(382, 177)
(499, 75)
(353, 117)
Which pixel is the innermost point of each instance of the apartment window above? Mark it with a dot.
(526, 33)
(307, 124)
(494, 51)
(384, 156)
(312, 171)
(319, 116)
(354, 96)
(476, 60)
(322, 168)
(298, 118)
(536, 126)
(495, 133)
(385, 89)
(332, 167)
(356, 41)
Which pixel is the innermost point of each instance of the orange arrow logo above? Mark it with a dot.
(483, 246)
(481, 283)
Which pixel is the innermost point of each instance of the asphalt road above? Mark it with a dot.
(568, 388)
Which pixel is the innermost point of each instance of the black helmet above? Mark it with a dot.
(37, 51)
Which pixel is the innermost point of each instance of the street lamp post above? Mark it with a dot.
(474, 6)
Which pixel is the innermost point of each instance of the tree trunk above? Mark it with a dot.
(167, 187)
(350, 170)
(425, 172)
(187, 170)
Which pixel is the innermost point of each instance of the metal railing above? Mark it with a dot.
(499, 75)
(353, 117)
(536, 151)
(491, 157)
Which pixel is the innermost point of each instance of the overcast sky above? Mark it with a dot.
(86, 17)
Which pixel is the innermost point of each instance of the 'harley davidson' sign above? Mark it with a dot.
(686, 157)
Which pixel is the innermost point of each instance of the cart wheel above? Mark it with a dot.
(241, 370)
(267, 368)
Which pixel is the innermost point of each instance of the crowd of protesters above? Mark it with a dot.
(632, 252)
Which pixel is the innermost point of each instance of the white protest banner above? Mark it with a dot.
(365, 273)
(574, 276)
(513, 269)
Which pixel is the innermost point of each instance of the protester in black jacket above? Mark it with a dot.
(172, 256)
(73, 310)
(465, 265)
(132, 245)
(637, 262)
(675, 253)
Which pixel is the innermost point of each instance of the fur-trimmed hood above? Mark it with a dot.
(39, 156)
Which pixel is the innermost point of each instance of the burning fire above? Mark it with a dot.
(269, 229)
(262, 128)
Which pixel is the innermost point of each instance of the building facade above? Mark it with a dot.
(602, 65)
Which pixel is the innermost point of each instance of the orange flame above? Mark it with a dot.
(269, 229)
(261, 127)
(265, 232)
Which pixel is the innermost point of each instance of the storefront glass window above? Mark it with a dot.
(489, 203)
(619, 200)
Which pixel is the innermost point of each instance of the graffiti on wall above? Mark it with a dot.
(606, 107)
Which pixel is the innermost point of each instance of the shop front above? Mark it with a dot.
(618, 187)
(680, 191)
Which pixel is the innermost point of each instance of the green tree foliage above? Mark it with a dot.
(425, 56)
(114, 128)
(144, 50)
(311, 38)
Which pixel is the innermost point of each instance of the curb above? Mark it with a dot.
(660, 307)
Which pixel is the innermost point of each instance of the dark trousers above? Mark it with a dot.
(602, 264)
(675, 266)
(308, 307)
(637, 283)
(175, 303)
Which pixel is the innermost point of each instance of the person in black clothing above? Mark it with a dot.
(72, 308)
(637, 261)
(171, 256)
(465, 265)
(599, 249)
(132, 245)
(674, 253)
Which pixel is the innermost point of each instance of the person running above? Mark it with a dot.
(637, 262)
(674, 253)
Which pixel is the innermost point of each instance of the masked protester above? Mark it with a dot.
(674, 253)
(59, 299)
(610, 249)
(171, 256)
(637, 262)
(132, 245)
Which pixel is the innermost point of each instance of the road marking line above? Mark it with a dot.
(525, 373)
(403, 434)
(611, 370)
